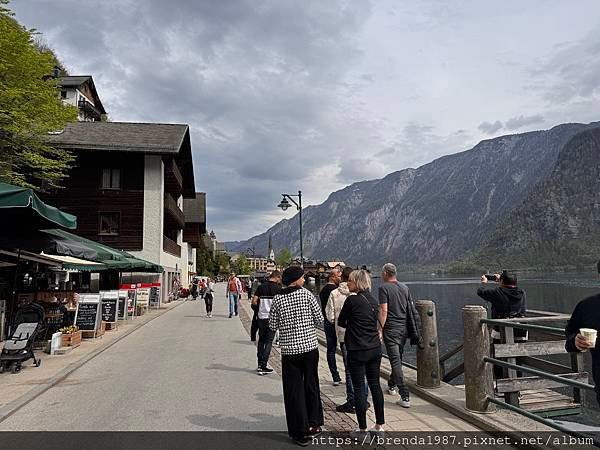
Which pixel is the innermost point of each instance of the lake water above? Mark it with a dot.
(547, 292)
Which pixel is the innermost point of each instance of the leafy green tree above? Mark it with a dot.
(30, 108)
(222, 264)
(242, 266)
(205, 264)
(284, 257)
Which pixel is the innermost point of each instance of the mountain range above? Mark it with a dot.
(510, 194)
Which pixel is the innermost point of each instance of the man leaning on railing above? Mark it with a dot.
(581, 331)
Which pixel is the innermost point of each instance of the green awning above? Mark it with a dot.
(22, 208)
(109, 257)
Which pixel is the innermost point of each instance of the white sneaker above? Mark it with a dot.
(359, 435)
(404, 401)
(377, 433)
(393, 391)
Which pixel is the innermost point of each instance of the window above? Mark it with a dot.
(110, 223)
(111, 179)
(63, 94)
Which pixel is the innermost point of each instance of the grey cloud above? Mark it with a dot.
(261, 85)
(360, 169)
(519, 122)
(491, 128)
(570, 73)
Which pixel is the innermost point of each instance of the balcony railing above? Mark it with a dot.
(171, 247)
(173, 212)
(88, 109)
(173, 177)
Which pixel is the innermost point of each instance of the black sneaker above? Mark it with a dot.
(230, 316)
(368, 405)
(265, 371)
(345, 408)
(302, 441)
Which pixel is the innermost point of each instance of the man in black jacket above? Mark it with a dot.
(586, 315)
(507, 300)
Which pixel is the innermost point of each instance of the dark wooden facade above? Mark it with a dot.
(83, 196)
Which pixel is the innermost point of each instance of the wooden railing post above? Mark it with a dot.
(428, 357)
(478, 374)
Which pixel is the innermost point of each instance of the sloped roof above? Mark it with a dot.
(145, 138)
(78, 80)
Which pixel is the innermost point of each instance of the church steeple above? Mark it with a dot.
(270, 252)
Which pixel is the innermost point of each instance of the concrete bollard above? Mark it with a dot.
(428, 357)
(478, 374)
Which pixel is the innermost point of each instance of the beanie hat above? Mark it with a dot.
(292, 274)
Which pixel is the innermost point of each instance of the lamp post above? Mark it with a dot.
(284, 205)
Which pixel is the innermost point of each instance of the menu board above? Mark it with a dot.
(143, 297)
(110, 300)
(154, 297)
(131, 300)
(122, 308)
(87, 316)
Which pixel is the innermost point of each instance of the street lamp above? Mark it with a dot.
(284, 205)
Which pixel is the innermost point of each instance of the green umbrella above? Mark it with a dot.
(21, 208)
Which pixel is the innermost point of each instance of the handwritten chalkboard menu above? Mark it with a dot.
(143, 297)
(154, 297)
(87, 317)
(122, 308)
(110, 300)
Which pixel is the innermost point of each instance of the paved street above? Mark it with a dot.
(182, 371)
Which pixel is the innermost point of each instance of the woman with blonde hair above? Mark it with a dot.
(359, 316)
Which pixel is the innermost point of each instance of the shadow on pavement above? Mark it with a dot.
(229, 423)
(229, 368)
(269, 398)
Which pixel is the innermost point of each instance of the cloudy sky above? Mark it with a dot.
(284, 95)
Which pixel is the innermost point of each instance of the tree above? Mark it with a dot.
(222, 264)
(205, 264)
(242, 266)
(284, 258)
(30, 108)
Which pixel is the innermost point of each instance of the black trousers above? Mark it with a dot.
(301, 393)
(208, 301)
(265, 342)
(367, 363)
(254, 325)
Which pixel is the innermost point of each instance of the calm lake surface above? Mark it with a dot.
(547, 292)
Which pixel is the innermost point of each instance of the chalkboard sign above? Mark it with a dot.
(110, 300)
(154, 297)
(87, 317)
(122, 304)
(109, 309)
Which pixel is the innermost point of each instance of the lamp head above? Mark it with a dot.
(285, 204)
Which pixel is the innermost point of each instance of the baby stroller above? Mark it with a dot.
(18, 348)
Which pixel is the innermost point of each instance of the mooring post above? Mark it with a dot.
(428, 357)
(479, 382)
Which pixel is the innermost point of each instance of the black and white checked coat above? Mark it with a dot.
(295, 313)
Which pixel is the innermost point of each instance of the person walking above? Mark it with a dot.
(332, 283)
(398, 321)
(234, 290)
(332, 310)
(202, 287)
(254, 323)
(296, 313)
(194, 288)
(262, 299)
(359, 316)
(586, 315)
(208, 297)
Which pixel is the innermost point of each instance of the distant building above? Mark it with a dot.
(214, 247)
(80, 92)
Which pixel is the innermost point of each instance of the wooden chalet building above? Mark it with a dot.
(128, 189)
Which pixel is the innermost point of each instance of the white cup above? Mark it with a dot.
(590, 335)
